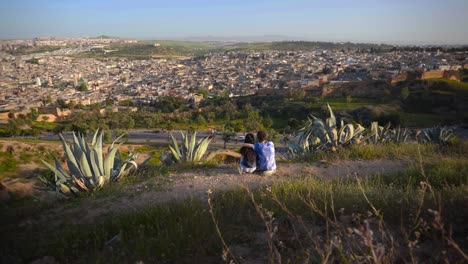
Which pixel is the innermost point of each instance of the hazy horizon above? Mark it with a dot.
(366, 21)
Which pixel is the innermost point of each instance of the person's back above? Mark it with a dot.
(265, 153)
(248, 161)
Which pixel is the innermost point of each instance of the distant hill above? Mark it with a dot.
(106, 37)
(307, 46)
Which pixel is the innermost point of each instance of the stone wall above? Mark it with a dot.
(432, 75)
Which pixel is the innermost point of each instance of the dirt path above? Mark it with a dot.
(194, 184)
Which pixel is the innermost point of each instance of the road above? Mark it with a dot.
(152, 136)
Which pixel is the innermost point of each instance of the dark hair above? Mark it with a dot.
(249, 138)
(261, 136)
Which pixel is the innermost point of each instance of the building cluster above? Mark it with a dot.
(13, 45)
(34, 81)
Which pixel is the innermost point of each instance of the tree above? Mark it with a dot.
(253, 122)
(201, 120)
(169, 128)
(404, 93)
(82, 87)
(33, 115)
(60, 103)
(273, 135)
(227, 135)
(203, 92)
(267, 122)
(13, 128)
(238, 127)
(72, 104)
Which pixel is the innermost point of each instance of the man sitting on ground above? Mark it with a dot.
(265, 150)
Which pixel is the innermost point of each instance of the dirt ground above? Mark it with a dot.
(193, 184)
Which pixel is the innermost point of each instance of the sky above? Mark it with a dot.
(376, 21)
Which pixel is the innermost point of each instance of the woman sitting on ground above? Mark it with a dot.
(248, 160)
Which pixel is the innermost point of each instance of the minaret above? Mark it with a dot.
(38, 81)
(75, 80)
(49, 81)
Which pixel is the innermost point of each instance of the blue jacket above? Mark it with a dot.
(265, 156)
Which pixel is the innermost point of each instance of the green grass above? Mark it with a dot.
(421, 120)
(456, 86)
(183, 232)
(441, 173)
(342, 103)
(8, 164)
(190, 45)
(48, 126)
(408, 152)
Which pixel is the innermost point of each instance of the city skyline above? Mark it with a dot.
(396, 22)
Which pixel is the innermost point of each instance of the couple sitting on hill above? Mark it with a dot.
(258, 157)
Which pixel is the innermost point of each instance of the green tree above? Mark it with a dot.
(72, 104)
(82, 87)
(267, 122)
(60, 103)
(404, 93)
(273, 135)
(238, 127)
(227, 135)
(253, 122)
(201, 120)
(33, 115)
(13, 128)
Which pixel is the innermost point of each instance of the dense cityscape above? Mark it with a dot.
(37, 81)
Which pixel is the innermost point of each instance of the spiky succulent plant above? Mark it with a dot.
(437, 135)
(89, 168)
(319, 134)
(190, 150)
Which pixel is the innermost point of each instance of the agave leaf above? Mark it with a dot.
(97, 171)
(359, 130)
(333, 136)
(82, 142)
(201, 149)
(98, 154)
(81, 184)
(76, 148)
(74, 190)
(64, 189)
(68, 151)
(175, 153)
(85, 168)
(109, 163)
(101, 181)
(331, 122)
(93, 142)
(192, 146)
(176, 149)
(58, 174)
(115, 140)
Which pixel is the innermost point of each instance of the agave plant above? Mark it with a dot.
(319, 134)
(379, 134)
(89, 169)
(400, 136)
(437, 135)
(189, 151)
